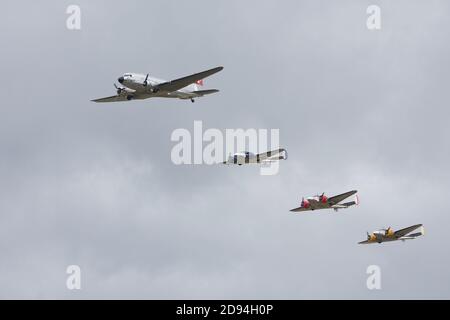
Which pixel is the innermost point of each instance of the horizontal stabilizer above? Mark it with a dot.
(348, 204)
(414, 235)
(205, 92)
(272, 159)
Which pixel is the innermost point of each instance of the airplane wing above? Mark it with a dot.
(115, 98)
(266, 155)
(404, 232)
(340, 197)
(300, 209)
(364, 242)
(180, 83)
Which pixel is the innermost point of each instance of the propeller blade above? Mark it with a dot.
(145, 81)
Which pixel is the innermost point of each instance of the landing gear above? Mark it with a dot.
(129, 98)
(192, 100)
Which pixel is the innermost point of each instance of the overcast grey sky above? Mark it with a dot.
(93, 185)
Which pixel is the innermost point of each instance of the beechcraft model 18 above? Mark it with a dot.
(263, 158)
(136, 86)
(323, 202)
(389, 234)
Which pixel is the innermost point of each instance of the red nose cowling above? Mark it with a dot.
(305, 204)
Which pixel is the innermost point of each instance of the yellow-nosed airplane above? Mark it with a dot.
(389, 234)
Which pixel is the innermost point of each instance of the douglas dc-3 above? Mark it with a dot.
(263, 158)
(141, 86)
(323, 202)
(389, 234)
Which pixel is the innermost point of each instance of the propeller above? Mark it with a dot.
(323, 198)
(387, 230)
(145, 81)
(368, 235)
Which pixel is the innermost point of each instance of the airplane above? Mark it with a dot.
(323, 202)
(140, 86)
(389, 234)
(246, 157)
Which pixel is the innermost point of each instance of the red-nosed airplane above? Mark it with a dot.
(323, 202)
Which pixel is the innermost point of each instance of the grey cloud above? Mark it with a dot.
(93, 184)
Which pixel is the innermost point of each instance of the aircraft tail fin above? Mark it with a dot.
(197, 84)
(420, 233)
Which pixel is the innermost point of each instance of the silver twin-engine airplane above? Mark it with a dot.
(136, 86)
(324, 202)
(389, 234)
(246, 157)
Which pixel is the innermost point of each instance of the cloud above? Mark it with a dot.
(93, 185)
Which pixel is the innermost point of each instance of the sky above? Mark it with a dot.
(93, 185)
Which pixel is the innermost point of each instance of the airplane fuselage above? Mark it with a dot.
(315, 203)
(242, 158)
(379, 238)
(247, 157)
(135, 81)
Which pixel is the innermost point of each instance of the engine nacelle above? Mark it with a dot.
(305, 204)
(371, 237)
(389, 232)
(323, 199)
(123, 91)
